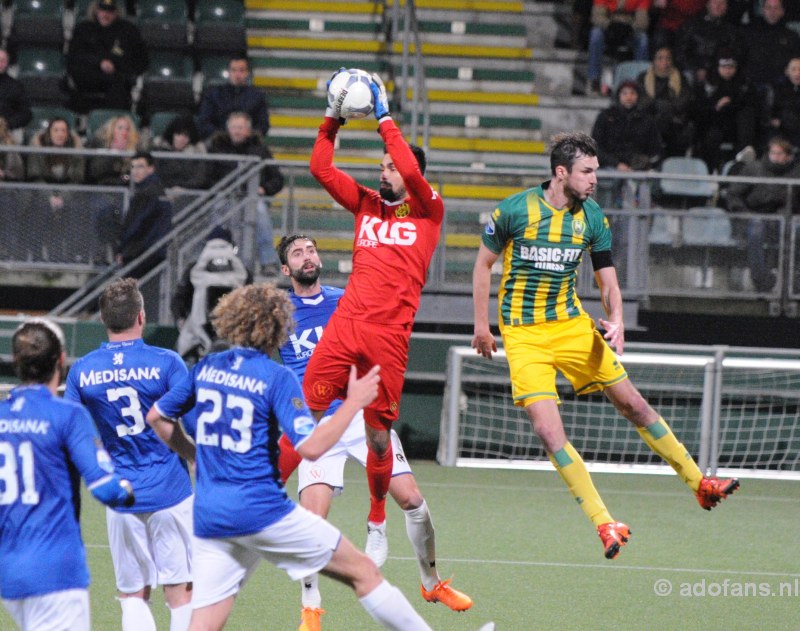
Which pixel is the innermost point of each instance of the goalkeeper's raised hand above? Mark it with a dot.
(379, 96)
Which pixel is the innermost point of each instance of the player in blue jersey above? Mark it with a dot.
(320, 481)
(150, 542)
(45, 445)
(242, 514)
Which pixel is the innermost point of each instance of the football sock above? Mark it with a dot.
(180, 617)
(379, 474)
(661, 440)
(571, 468)
(136, 615)
(309, 592)
(419, 527)
(389, 608)
(288, 458)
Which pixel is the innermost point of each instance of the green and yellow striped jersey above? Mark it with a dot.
(541, 249)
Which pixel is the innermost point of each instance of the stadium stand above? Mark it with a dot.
(164, 24)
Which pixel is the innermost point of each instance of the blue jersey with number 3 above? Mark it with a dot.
(43, 441)
(119, 382)
(243, 401)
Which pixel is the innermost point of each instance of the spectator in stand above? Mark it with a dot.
(119, 134)
(581, 18)
(726, 112)
(698, 39)
(765, 198)
(181, 137)
(668, 96)
(149, 216)
(671, 16)
(771, 44)
(12, 168)
(240, 139)
(15, 108)
(237, 95)
(627, 140)
(54, 206)
(106, 55)
(616, 23)
(785, 114)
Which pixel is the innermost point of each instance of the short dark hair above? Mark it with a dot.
(286, 243)
(567, 147)
(36, 347)
(239, 57)
(120, 304)
(144, 155)
(419, 154)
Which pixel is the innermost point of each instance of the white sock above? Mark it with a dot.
(389, 608)
(180, 617)
(309, 588)
(419, 527)
(136, 615)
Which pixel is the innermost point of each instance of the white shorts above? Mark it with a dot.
(67, 610)
(329, 468)
(301, 543)
(151, 548)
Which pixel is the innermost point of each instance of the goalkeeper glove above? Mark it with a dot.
(379, 96)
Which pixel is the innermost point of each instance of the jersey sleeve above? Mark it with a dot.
(71, 390)
(289, 407)
(406, 163)
(180, 398)
(85, 449)
(177, 371)
(341, 186)
(495, 233)
(600, 231)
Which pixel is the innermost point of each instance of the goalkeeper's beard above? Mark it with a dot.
(387, 193)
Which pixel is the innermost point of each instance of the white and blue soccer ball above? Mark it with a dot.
(349, 94)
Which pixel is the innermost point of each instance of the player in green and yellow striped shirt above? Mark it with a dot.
(541, 234)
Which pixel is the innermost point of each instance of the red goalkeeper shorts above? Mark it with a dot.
(349, 342)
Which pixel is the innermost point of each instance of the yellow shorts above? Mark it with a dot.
(574, 347)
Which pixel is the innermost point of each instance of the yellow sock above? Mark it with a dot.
(572, 470)
(660, 439)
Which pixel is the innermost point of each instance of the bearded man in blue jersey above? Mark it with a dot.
(45, 444)
(151, 542)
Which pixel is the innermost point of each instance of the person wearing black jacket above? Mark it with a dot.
(240, 139)
(15, 106)
(106, 54)
(237, 95)
(149, 216)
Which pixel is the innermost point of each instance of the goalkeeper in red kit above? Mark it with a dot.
(396, 232)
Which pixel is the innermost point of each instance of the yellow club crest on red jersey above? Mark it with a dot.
(393, 406)
(578, 227)
(402, 211)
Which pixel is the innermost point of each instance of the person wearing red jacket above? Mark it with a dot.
(396, 233)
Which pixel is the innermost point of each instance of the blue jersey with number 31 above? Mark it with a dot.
(243, 401)
(119, 382)
(44, 441)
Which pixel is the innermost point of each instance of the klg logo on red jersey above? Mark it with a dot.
(374, 231)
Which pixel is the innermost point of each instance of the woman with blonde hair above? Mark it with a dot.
(119, 134)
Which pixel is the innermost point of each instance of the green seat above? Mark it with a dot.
(219, 27)
(42, 71)
(214, 70)
(163, 24)
(159, 122)
(168, 83)
(37, 23)
(96, 118)
(42, 115)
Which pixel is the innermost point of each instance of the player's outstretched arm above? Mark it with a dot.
(483, 341)
(173, 434)
(360, 393)
(611, 299)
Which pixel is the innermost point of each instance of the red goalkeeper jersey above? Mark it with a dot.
(394, 241)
